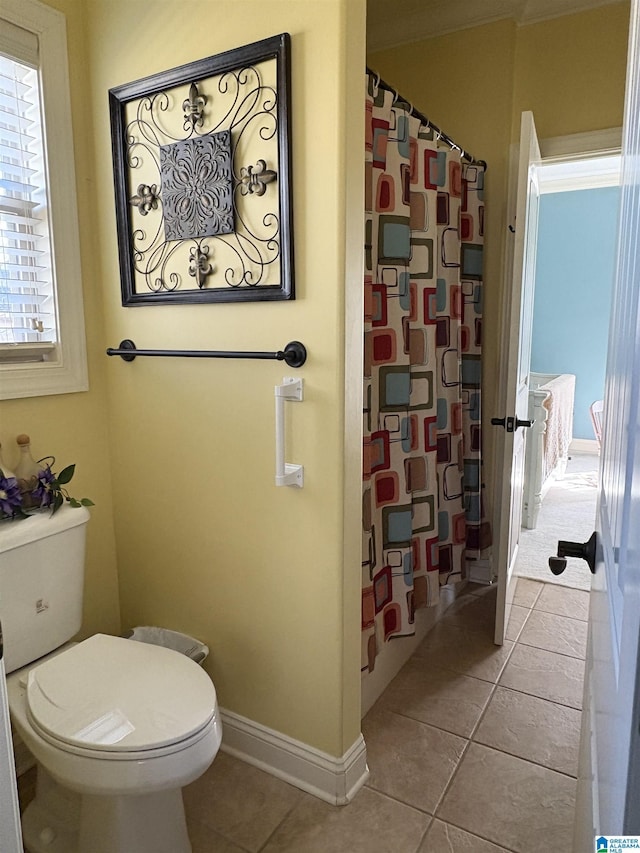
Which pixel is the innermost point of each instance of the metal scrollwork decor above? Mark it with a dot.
(202, 171)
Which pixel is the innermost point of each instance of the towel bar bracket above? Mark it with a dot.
(127, 345)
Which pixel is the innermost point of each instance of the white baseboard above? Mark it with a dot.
(584, 445)
(334, 780)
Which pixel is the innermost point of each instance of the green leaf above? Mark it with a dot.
(66, 474)
(59, 500)
(87, 502)
(74, 502)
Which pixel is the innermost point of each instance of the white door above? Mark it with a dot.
(10, 835)
(514, 402)
(609, 777)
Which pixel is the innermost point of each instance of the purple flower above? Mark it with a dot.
(10, 497)
(43, 494)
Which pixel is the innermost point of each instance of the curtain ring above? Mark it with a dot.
(376, 83)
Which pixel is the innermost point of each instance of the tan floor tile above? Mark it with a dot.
(516, 804)
(239, 801)
(532, 728)
(517, 618)
(564, 601)
(555, 634)
(444, 838)
(205, 840)
(473, 611)
(527, 592)
(408, 760)
(547, 675)
(372, 823)
(480, 589)
(470, 652)
(441, 697)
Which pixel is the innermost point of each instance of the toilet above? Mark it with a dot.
(117, 727)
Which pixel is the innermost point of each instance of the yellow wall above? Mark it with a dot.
(475, 83)
(269, 578)
(74, 427)
(582, 58)
(206, 543)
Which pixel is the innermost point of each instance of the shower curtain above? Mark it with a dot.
(422, 487)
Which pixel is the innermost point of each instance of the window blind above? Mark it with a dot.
(27, 297)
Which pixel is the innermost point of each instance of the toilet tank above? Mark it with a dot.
(41, 582)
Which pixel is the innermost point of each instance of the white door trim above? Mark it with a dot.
(10, 831)
(578, 144)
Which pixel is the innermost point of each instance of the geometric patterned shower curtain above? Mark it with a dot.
(423, 516)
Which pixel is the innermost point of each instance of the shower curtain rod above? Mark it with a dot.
(382, 84)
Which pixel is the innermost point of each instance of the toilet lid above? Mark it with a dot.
(117, 695)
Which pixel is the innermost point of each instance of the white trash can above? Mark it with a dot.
(182, 643)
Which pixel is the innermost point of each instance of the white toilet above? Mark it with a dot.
(117, 727)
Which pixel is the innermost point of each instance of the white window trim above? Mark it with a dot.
(67, 370)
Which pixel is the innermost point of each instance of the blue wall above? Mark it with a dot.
(574, 274)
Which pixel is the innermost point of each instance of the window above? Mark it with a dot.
(42, 346)
(27, 300)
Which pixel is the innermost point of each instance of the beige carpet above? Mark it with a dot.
(568, 512)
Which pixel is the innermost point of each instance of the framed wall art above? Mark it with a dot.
(202, 173)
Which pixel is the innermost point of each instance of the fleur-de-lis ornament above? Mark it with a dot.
(254, 179)
(193, 108)
(199, 266)
(146, 198)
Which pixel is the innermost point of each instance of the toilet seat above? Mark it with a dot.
(116, 698)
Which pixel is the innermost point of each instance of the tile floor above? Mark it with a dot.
(472, 749)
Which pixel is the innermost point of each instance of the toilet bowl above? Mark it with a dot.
(117, 728)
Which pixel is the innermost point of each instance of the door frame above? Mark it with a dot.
(519, 280)
(10, 829)
(552, 149)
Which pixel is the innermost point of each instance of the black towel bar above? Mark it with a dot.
(295, 353)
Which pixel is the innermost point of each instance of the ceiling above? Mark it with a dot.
(393, 22)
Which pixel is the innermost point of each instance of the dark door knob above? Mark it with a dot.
(511, 424)
(585, 550)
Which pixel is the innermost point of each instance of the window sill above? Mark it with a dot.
(19, 353)
(60, 373)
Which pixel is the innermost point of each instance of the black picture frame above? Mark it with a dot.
(142, 262)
